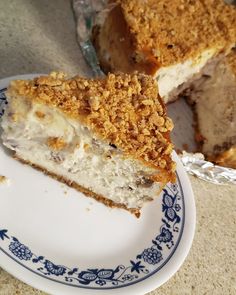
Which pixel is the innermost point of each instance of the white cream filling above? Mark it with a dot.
(85, 160)
(169, 78)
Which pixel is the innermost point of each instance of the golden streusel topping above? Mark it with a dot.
(174, 31)
(122, 109)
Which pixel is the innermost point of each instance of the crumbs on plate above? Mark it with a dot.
(4, 179)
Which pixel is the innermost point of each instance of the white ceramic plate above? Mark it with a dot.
(57, 240)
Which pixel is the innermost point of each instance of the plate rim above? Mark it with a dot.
(152, 284)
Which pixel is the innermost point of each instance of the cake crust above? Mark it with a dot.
(123, 109)
(85, 191)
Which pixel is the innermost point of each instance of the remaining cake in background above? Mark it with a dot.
(214, 100)
(170, 40)
(108, 137)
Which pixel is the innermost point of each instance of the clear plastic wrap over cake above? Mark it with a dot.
(89, 12)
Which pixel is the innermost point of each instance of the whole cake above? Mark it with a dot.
(170, 40)
(107, 137)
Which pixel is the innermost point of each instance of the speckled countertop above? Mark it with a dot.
(37, 36)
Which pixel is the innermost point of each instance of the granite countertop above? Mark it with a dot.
(39, 36)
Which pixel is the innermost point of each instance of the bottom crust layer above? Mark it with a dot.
(87, 192)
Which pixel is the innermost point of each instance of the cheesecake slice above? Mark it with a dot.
(214, 101)
(108, 138)
(170, 40)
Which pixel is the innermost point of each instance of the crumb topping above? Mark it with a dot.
(121, 109)
(2, 178)
(174, 31)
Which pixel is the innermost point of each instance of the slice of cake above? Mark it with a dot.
(170, 40)
(108, 138)
(214, 100)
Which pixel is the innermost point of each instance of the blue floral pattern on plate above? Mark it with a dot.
(156, 255)
(149, 261)
(20, 250)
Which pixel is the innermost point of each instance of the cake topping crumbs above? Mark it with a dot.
(124, 110)
(3, 179)
(180, 29)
